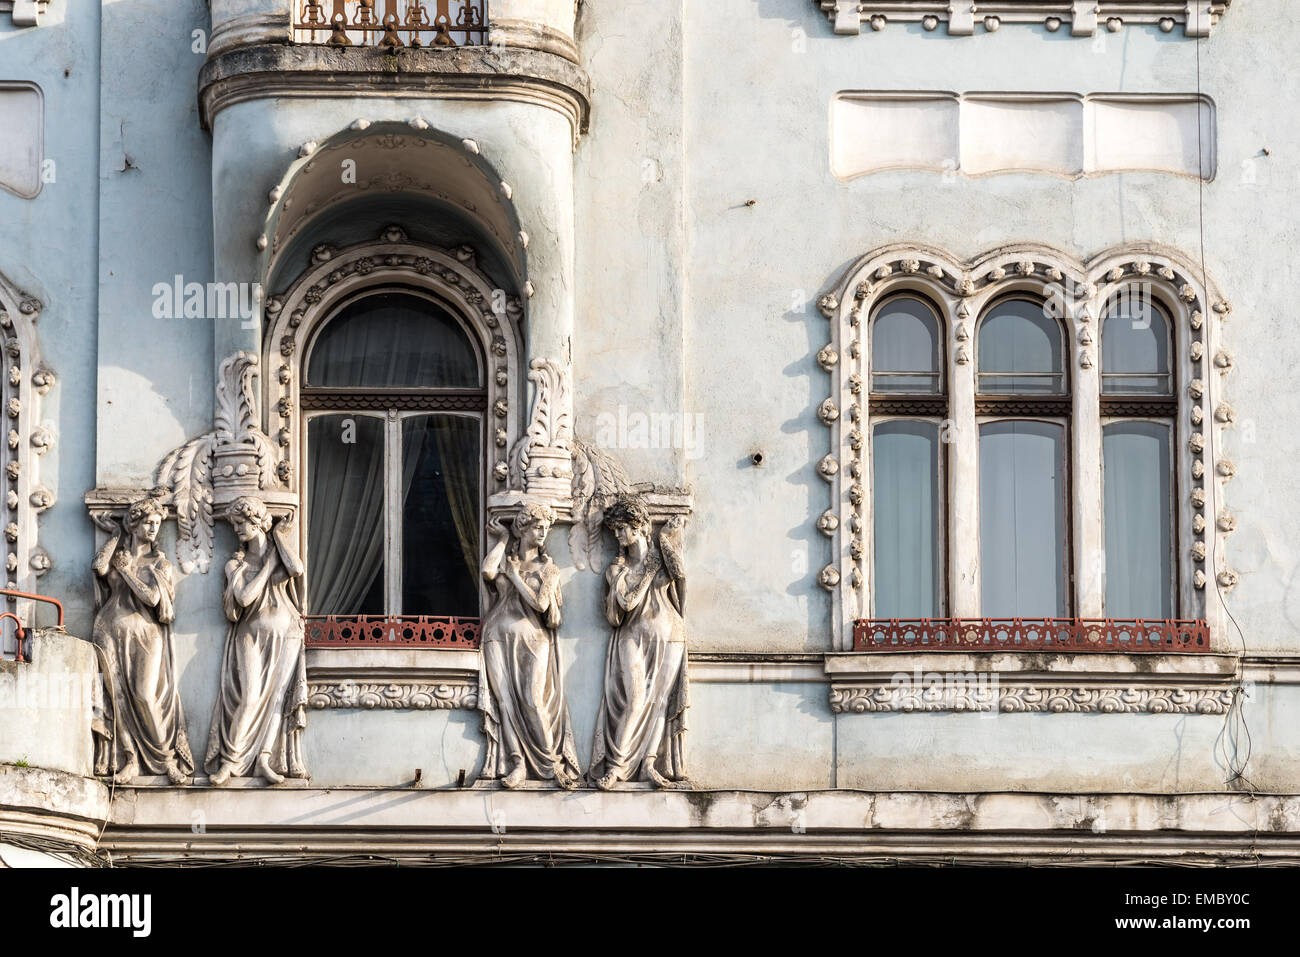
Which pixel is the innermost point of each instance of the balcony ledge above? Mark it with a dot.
(463, 73)
(868, 682)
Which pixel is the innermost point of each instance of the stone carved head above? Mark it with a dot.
(532, 523)
(628, 519)
(144, 518)
(249, 516)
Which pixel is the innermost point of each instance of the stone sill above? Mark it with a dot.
(863, 682)
(1027, 666)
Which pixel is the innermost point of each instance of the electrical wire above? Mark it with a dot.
(1229, 743)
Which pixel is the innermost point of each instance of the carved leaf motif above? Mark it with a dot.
(236, 413)
(597, 481)
(187, 473)
(550, 426)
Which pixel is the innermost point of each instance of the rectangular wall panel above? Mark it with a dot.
(1059, 134)
(21, 138)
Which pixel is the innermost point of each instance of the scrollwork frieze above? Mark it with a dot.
(393, 695)
(1030, 699)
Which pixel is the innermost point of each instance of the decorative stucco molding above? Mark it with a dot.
(545, 457)
(394, 695)
(26, 13)
(1095, 700)
(863, 683)
(1083, 17)
(279, 71)
(454, 276)
(1079, 294)
(236, 458)
(27, 437)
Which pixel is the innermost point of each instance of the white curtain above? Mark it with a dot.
(345, 521)
(905, 492)
(441, 468)
(1135, 457)
(1017, 337)
(1022, 519)
(1135, 353)
(905, 339)
(393, 340)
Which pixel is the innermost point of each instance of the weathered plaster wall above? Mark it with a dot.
(757, 129)
(45, 706)
(684, 299)
(49, 247)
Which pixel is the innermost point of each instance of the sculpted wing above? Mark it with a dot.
(597, 481)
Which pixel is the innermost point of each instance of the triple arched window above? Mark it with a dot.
(1025, 444)
(1023, 414)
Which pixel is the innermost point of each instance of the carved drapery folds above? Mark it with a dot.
(525, 714)
(641, 725)
(1078, 294)
(260, 711)
(139, 724)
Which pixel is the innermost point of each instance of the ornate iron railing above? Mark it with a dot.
(1107, 635)
(391, 23)
(382, 631)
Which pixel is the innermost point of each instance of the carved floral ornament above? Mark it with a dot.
(27, 438)
(1079, 294)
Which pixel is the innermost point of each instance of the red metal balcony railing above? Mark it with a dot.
(1106, 635)
(391, 23)
(382, 631)
(21, 633)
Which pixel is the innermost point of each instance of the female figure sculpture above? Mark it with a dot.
(521, 691)
(641, 727)
(261, 706)
(139, 727)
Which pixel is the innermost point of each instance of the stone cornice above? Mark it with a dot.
(464, 73)
(430, 826)
(1083, 18)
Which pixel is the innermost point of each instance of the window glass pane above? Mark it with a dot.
(393, 340)
(1135, 349)
(905, 348)
(345, 520)
(1139, 523)
(907, 500)
(1022, 520)
(440, 515)
(1020, 350)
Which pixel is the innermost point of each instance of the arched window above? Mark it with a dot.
(394, 401)
(908, 406)
(1023, 411)
(1138, 406)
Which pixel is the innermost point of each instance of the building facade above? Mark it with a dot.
(385, 376)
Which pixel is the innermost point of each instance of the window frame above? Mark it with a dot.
(1079, 292)
(489, 311)
(912, 406)
(392, 406)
